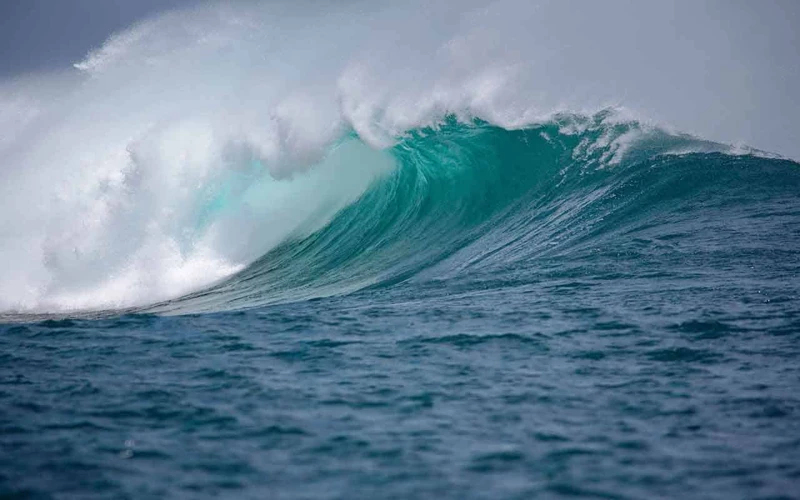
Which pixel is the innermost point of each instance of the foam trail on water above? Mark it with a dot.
(192, 143)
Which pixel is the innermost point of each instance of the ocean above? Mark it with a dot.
(581, 305)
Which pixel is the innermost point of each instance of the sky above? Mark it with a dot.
(37, 35)
(728, 70)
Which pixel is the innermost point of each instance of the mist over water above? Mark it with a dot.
(403, 250)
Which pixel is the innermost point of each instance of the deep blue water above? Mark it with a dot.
(509, 314)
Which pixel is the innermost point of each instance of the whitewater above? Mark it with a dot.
(369, 249)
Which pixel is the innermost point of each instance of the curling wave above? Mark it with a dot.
(465, 199)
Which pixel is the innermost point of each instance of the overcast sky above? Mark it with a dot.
(39, 34)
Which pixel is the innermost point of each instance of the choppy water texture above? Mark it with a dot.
(582, 308)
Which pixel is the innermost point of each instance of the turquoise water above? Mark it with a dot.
(582, 308)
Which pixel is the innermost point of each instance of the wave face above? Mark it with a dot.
(476, 200)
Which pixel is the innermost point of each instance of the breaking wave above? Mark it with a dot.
(229, 157)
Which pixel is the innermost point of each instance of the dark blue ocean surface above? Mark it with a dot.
(509, 314)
